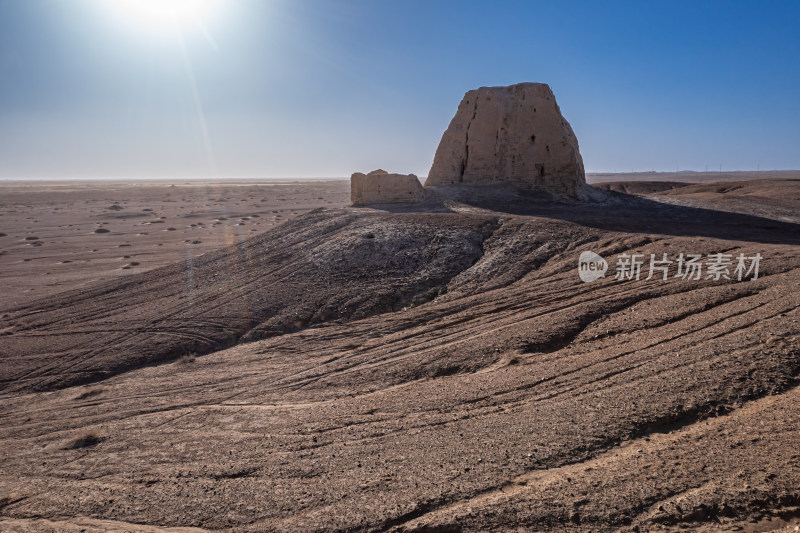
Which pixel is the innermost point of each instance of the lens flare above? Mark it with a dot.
(167, 12)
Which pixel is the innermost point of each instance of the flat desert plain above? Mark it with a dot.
(242, 356)
(60, 235)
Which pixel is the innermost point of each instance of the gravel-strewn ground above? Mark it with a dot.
(439, 368)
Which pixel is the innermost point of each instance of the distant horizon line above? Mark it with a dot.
(284, 178)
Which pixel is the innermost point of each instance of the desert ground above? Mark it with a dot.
(257, 356)
(61, 235)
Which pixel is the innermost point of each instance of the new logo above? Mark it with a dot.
(591, 267)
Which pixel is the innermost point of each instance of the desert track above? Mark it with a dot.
(432, 370)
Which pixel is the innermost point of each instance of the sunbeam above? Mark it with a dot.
(169, 13)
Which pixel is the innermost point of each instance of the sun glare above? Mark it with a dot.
(167, 12)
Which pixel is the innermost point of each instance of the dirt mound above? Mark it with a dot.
(326, 266)
(450, 371)
(774, 198)
(764, 188)
(640, 187)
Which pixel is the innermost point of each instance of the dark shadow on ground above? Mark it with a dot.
(609, 210)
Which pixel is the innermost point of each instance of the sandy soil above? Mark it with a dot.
(51, 241)
(688, 176)
(435, 368)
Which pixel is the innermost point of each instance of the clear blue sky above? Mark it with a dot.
(296, 88)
